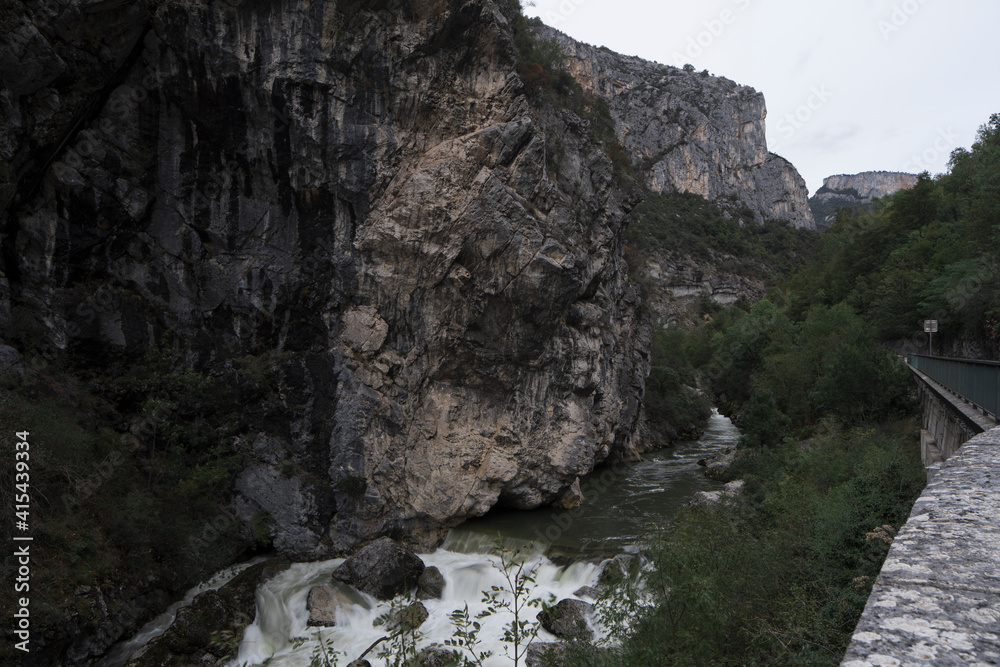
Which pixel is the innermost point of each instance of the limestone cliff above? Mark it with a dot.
(692, 132)
(852, 191)
(350, 208)
(356, 192)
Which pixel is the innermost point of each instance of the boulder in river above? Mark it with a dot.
(615, 569)
(545, 654)
(436, 656)
(430, 586)
(409, 618)
(322, 605)
(717, 465)
(587, 592)
(730, 490)
(383, 569)
(568, 619)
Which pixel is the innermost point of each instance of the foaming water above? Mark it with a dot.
(121, 653)
(622, 505)
(281, 637)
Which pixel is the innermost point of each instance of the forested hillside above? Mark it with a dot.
(926, 253)
(829, 454)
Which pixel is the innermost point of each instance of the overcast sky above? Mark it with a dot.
(850, 86)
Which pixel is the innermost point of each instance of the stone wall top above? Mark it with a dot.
(937, 599)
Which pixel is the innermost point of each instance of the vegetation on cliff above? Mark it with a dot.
(830, 451)
(687, 224)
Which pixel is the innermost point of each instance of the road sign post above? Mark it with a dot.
(931, 326)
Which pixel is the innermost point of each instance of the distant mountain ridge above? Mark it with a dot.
(853, 190)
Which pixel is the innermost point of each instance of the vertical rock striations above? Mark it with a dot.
(692, 132)
(356, 193)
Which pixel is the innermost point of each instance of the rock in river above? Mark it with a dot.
(383, 569)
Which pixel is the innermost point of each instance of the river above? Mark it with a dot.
(622, 505)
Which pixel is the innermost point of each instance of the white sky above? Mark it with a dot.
(850, 86)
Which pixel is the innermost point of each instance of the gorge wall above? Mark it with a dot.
(359, 196)
(691, 132)
(351, 209)
(852, 191)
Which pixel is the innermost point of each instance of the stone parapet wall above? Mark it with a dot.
(937, 599)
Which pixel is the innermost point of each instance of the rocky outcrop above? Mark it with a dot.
(691, 132)
(363, 210)
(209, 630)
(568, 619)
(382, 569)
(709, 498)
(856, 190)
(543, 654)
(679, 285)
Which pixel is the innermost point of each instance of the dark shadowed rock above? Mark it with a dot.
(545, 654)
(409, 618)
(614, 569)
(383, 569)
(568, 619)
(430, 586)
(434, 656)
(210, 627)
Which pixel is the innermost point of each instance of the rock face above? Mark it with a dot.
(355, 195)
(855, 190)
(680, 283)
(692, 132)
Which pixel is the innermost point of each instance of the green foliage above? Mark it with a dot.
(353, 485)
(863, 382)
(104, 508)
(763, 424)
(781, 581)
(403, 619)
(465, 636)
(687, 224)
(324, 655)
(514, 599)
(774, 372)
(674, 407)
(932, 252)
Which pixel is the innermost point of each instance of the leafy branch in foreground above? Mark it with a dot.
(513, 597)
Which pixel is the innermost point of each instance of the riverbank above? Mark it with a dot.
(622, 505)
